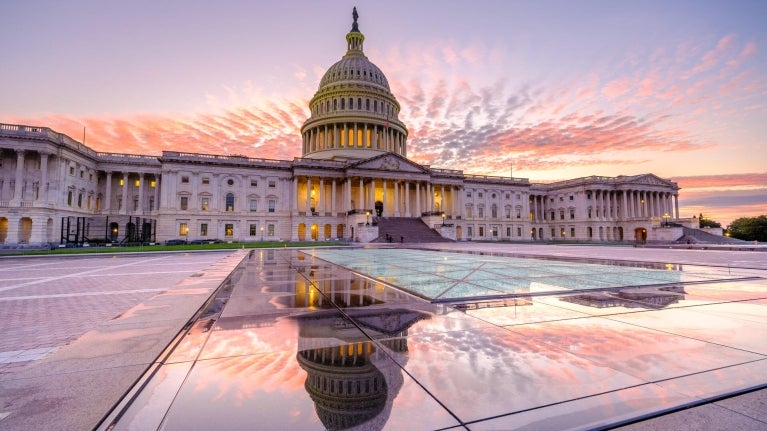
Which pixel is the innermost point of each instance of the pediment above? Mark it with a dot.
(650, 179)
(390, 162)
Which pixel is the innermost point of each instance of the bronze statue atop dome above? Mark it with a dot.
(355, 15)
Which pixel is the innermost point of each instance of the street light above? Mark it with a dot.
(262, 234)
(367, 217)
(665, 219)
(443, 219)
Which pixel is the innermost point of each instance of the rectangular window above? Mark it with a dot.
(571, 197)
(272, 184)
(469, 231)
(508, 212)
(519, 197)
(229, 229)
(480, 194)
(553, 233)
(252, 229)
(183, 229)
(572, 213)
(519, 231)
(204, 204)
(82, 174)
(519, 212)
(153, 184)
(184, 180)
(137, 183)
(270, 229)
(469, 212)
(79, 200)
(572, 232)
(254, 205)
(508, 231)
(206, 180)
(71, 170)
(495, 231)
(468, 194)
(508, 196)
(480, 213)
(254, 183)
(481, 231)
(151, 204)
(561, 214)
(184, 203)
(203, 229)
(90, 177)
(562, 232)
(135, 204)
(272, 205)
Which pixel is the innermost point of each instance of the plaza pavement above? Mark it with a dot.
(79, 331)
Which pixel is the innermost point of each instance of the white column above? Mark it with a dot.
(321, 204)
(156, 192)
(384, 213)
(418, 199)
(108, 197)
(19, 176)
(294, 201)
(397, 203)
(406, 189)
(333, 198)
(308, 195)
(372, 196)
(141, 178)
(124, 209)
(361, 202)
(676, 206)
(42, 194)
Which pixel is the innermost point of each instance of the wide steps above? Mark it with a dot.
(406, 230)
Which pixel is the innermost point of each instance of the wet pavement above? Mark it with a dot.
(296, 342)
(79, 331)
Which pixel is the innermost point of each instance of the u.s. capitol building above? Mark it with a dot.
(352, 179)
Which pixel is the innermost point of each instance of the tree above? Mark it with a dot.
(749, 228)
(707, 222)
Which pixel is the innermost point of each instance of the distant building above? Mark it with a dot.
(353, 172)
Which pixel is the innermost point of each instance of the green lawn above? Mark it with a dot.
(155, 248)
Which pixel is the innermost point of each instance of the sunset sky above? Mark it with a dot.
(549, 89)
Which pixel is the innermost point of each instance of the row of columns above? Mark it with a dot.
(409, 198)
(614, 205)
(142, 208)
(354, 135)
(21, 178)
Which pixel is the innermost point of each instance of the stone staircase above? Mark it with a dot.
(696, 236)
(407, 230)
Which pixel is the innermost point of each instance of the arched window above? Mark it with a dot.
(375, 106)
(335, 104)
(367, 104)
(229, 202)
(351, 103)
(359, 103)
(343, 104)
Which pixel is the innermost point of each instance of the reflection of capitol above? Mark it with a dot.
(630, 298)
(353, 385)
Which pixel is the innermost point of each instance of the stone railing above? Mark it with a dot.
(497, 179)
(229, 159)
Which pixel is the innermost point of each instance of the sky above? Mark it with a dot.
(545, 90)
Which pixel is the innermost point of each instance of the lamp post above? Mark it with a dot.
(262, 234)
(665, 219)
(367, 218)
(443, 219)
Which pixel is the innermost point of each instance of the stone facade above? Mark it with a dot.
(354, 167)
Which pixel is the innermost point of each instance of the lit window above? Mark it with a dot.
(270, 229)
(153, 184)
(229, 229)
(229, 202)
(122, 182)
(183, 229)
(203, 229)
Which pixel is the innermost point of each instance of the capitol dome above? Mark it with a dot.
(354, 115)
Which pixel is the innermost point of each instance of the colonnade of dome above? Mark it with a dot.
(354, 115)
